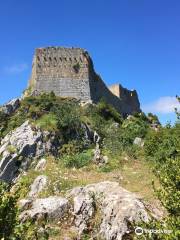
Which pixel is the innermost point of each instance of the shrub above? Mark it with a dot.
(95, 120)
(35, 107)
(135, 127)
(8, 212)
(161, 145)
(169, 177)
(153, 118)
(3, 122)
(71, 148)
(68, 119)
(119, 139)
(152, 141)
(10, 226)
(113, 142)
(164, 149)
(47, 122)
(78, 160)
(108, 111)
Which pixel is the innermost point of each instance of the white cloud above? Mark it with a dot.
(16, 68)
(162, 105)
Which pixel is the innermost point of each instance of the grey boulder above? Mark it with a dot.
(118, 208)
(20, 146)
(37, 186)
(52, 208)
(41, 165)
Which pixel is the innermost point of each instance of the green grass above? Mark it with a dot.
(134, 175)
(137, 176)
(47, 122)
(78, 160)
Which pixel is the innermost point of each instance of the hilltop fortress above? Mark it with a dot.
(69, 72)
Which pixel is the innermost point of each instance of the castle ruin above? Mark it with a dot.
(69, 72)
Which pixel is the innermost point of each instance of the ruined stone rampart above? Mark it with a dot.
(69, 72)
(62, 70)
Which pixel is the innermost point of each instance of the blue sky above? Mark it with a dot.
(134, 42)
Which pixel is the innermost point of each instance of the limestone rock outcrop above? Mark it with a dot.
(45, 208)
(20, 146)
(37, 186)
(118, 208)
(11, 106)
(115, 208)
(41, 165)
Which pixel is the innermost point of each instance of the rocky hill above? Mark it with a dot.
(73, 170)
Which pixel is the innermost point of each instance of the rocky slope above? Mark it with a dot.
(63, 160)
(20, 146)
(117, 209)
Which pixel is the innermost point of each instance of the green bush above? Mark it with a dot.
(10, 226)
(3, 122)
(38, 105)
(164, 148)
(162, 144)
(77, 160)
(119, 139)
(71, 148)
(68, 119)
(47, 122)
(153, 118)
(8, 212)
(108, 111)
(152, 141)
(135, 127)
(169, 177)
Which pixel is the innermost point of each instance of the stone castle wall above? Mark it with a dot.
(129, 97)
(62, 70)
(69, 72)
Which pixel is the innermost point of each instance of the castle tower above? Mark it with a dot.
(65, 71)
(69, 72)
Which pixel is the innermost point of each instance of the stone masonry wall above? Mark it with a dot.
(115, 89)
(69, 72)
(62, 70)
(129, 97)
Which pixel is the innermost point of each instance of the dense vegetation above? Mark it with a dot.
(66, 117)
(163, 148)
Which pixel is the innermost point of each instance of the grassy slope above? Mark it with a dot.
(134, 175)
(54, 114)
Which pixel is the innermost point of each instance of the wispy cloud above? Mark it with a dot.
(16, 68)
(162, 105)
